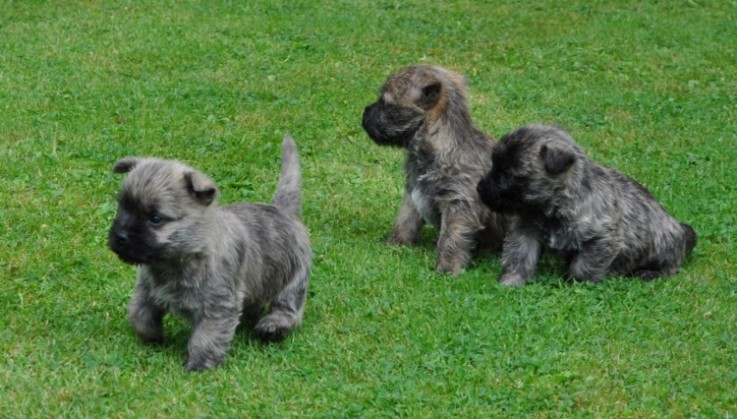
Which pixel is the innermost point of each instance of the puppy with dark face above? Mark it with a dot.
(424, 110)
(600, 221)
(214, 266)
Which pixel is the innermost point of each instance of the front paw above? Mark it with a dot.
(447, 268)
(512, 280)
(200, 363)
(395, 239)
(155, 339)
(149, 332)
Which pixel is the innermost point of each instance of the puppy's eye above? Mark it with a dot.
(155, 218)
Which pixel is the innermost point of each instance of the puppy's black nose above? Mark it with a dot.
(122, 236)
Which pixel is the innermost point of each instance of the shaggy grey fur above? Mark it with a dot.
(424, 110)
(600, 221)
(214, 266)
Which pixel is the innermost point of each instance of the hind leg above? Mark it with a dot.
(667, 259)
(286, 310)
(671, 242)
(654, 270)
(594, 261)
(649, 275)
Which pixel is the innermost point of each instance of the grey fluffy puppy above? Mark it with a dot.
(424, 110)
(212, 265)
(600, 221)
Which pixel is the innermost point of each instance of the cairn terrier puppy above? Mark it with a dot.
(212, 265)
(600, 221)
(424, 110)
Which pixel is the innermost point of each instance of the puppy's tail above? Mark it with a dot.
(690, 237)
(288, 194)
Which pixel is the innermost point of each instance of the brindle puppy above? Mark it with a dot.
(600, 221)
(424, 110)
(209, 264)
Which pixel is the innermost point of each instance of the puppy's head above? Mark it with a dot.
(163, 208)
(530, 167)
(409, 99)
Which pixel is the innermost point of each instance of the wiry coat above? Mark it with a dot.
(600, 221)
(211, 265)
(424, 110)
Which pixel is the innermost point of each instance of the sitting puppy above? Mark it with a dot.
(600, 221)
(209, 264)
(424, 110)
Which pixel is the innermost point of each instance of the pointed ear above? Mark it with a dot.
(126, 164)
(556, 160)
(430, 95)
(201, 187)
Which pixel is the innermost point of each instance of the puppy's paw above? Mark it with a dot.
(154, 339)
(146, 320)
(449, 268)
(273, 328)
(398, 240)
(195, 367)
(202, 362)
(648, 274)
(574, 276)
(151, 333)
(512, 280)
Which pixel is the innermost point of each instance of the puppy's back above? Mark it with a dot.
(273, 244)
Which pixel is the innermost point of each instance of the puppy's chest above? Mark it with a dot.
(182, 301)
(557, 235)
(427, 188)
(185, 292)
(425, 206)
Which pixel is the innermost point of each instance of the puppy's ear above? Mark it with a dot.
(429, 95)
(201, 187)
(125, 164)
(556, 160)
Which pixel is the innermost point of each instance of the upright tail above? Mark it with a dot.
(690, 237)
(288, 194)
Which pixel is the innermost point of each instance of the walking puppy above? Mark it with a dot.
(424, 110)
(600, 221)
(211, 265)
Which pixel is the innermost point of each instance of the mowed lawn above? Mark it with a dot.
(647, 87)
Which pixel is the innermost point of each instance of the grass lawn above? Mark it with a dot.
(647, 87)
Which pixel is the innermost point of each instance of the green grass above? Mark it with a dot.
(648, 87)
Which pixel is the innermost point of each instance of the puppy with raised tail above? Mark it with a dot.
(424, 110)
(601, 222)
(215, 266)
